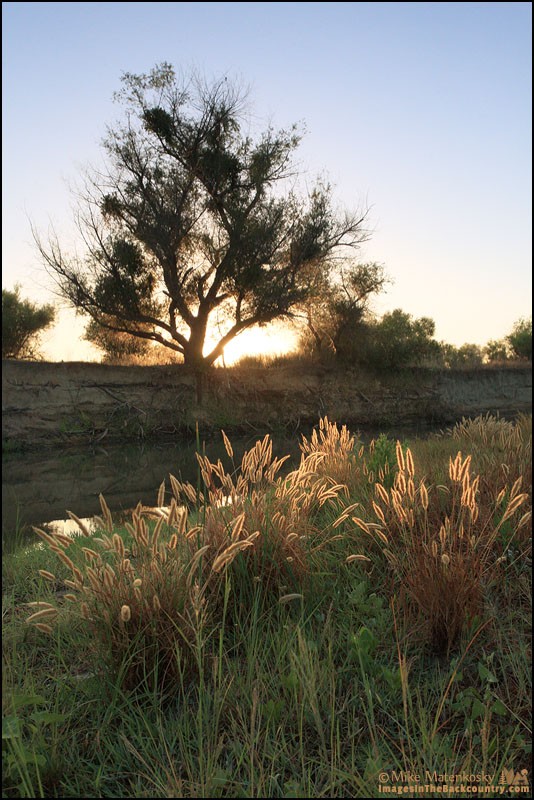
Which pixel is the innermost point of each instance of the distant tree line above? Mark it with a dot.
(338, 326)
(341, 326)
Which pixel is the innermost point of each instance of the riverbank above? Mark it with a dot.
(72, 403)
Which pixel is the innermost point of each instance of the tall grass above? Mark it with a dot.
(269, 634)
(442, 544)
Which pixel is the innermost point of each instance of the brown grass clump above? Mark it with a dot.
(502, 449)
(147, 596)
(349, 462)
(150, 593)
(142, 602)
(275, 515)
(340, 460)
(441, 544)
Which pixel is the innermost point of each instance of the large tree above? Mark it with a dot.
(22, 324)
(193, 218)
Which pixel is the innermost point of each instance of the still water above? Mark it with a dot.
(38, 487)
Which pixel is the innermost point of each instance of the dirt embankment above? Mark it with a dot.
(73, 402)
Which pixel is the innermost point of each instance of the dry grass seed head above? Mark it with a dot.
(46, 537)
(106, 513)
(48, 576)
(400, 456)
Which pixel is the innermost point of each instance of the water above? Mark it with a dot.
(38, 487)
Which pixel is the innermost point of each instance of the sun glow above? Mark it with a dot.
(270, 340)
(65, 342)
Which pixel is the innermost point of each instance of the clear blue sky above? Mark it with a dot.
(420, 110)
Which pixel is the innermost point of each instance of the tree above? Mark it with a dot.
(398, 340)
(121, 348)
(22, 324)
(337, 304)
(467, 355)
(192, 218)
(520, 339)
(496, 351)
(117, 347)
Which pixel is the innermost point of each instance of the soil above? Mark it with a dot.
(71, 402)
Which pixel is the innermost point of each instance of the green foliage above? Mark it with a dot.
(520, 339)
(195, 220)
(22, 323)
(343, 325)
(403, 340)
(339, 324)
(337, 305)
(26, 735)
(466, 356)
(396, 340)
(496, 350)
(382, 459)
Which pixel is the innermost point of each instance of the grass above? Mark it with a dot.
(283, 635)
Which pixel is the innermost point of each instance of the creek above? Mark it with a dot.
(39, 486)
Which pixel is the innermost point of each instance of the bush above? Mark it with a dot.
(442, 544)
(467, 356)
(520, 339)
(395, 341)
(22, 323)
(496, 350)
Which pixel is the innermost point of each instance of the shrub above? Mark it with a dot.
(467, 356)
(520, 339)
(496, 350)
(22, 323)
(397, 340)
(441, 544)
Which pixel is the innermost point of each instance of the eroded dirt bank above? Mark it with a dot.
(75, 402)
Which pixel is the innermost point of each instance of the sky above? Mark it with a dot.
(420, 112)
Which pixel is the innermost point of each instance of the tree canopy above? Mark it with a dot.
(520, 339)
(22, 324)
(337, 305)
(193, 218)
(397, 340)
(116, 347)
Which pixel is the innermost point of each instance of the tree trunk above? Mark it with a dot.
(193, 355)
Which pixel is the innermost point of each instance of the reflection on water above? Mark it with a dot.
(39, 487)
(69, 527)
(87, 525)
